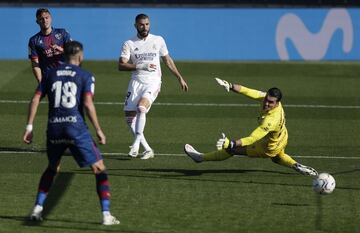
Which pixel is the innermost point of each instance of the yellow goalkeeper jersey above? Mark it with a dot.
(271, 130)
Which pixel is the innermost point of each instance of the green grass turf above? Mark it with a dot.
(171, 193)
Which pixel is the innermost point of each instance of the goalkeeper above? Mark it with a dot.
(268, 140)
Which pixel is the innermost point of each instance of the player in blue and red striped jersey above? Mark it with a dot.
(46, 47)
(70, 90)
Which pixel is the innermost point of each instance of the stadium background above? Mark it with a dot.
(197, 30)
(171, 193)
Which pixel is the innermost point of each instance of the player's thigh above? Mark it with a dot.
(98, 167)
(240, 150)
(141, 94)
(133, 96)
(150, 93)
(55, 148)
(258, 149)
(85, 150)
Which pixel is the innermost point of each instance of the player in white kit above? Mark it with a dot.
(141, 55)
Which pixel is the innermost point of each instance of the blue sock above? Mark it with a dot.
(40, 198)
(105, 205)
(46, 181)
(103, 190)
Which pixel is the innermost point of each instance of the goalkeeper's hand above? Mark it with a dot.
(225, 143)
(228, 86)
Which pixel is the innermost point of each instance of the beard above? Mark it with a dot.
(143, 33)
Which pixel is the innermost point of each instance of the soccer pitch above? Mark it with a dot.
(170, 193)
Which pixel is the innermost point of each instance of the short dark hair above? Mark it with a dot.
(41, 10)
(141, 16)
(275, 92)
(72, 48)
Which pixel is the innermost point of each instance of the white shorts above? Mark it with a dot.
(138, 90)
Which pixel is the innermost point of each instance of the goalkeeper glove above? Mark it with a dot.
(146, 66)
(228, 86)
(225, 143)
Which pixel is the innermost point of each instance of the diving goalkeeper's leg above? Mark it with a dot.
(285, 160)
(198, 157)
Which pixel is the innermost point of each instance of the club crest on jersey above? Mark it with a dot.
(58, 36)
(136, 49)
(154, 46)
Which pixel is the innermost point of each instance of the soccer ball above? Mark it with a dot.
(324, 183)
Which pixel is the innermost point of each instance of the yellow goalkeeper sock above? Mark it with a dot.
(284, 160)
(218, 155)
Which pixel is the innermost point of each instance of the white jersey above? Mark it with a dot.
(148, 50)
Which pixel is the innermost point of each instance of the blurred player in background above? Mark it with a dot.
(70, 90)
(46, 47)
(268, 140)
(141, 55)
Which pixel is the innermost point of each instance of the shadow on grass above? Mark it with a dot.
(189, 175)
(199, 172)
(21, 149)
(57, 191)
(290, 204)
(169, 172)
(99, 227)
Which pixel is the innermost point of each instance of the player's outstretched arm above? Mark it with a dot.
(169, 62)
(225, 84)
(91, 113)
(228, 86)
(33, 106)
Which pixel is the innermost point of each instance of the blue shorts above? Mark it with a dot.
(78, 140)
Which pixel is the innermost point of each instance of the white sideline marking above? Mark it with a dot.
(207, 104)
(183, 155)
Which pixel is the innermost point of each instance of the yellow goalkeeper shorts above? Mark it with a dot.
(261, 149)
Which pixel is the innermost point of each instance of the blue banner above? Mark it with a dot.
(199, 34)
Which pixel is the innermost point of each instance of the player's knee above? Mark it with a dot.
(142, 109)
(98, 170)
(98, 167)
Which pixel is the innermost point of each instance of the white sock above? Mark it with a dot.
(38, 207)
(145, 144)
(140, 126)
(106, 213)
(131, 122)
(140, 120)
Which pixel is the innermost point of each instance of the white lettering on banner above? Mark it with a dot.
(313, 46)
